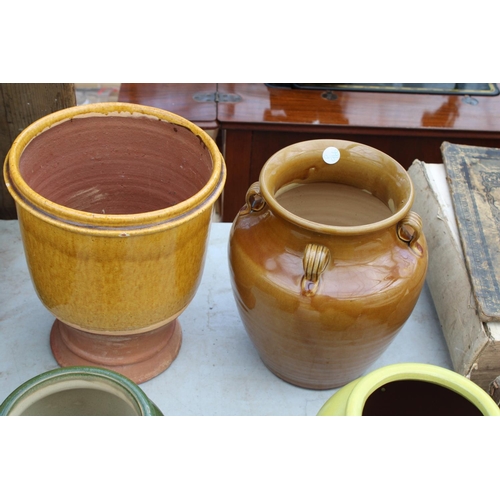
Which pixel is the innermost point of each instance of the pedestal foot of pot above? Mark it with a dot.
(140, 357)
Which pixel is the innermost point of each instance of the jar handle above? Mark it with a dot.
(316, 258)
(409, 230)
(254, 200)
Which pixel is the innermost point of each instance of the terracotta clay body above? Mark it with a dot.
(327, 261)
(114, 202)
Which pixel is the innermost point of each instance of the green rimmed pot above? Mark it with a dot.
(79, 391)
(411, 389)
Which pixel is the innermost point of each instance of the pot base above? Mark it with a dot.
(305, 383)
(140, 357)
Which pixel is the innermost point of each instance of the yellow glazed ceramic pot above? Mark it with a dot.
(114, 203)
(327, 260)
(408, 389)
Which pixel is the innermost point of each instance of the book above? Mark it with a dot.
(473, 344)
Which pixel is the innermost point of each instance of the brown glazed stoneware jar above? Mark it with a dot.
(327, 260)
(114, 202)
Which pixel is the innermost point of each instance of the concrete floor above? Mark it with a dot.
(218, 371)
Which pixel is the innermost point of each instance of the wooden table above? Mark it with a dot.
(177, 98)
(258, 120)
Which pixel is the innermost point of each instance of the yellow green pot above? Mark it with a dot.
(79, 391)
(114, 203)
(410, 389)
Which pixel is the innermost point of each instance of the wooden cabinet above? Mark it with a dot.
(253, 121)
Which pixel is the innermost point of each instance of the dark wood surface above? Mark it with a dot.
(265, 119)
(366, 112)
(177, 98)
(20, 105)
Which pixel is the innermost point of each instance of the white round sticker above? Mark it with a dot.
(331, 155)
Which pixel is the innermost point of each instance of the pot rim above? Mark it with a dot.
(111, 224)
(317, 146)
(444, 377)
(62, 374)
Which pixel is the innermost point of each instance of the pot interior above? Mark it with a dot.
(77, 398)
(363, 185)
(417, 398)
(110, 164)
(333, 204)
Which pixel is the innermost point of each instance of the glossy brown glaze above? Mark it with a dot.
(322, 302)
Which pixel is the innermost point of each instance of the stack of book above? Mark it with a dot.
(458, 202)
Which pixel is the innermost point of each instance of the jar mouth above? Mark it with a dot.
(306, 165)
(114, 165)
(78, 391)
(447, 380)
